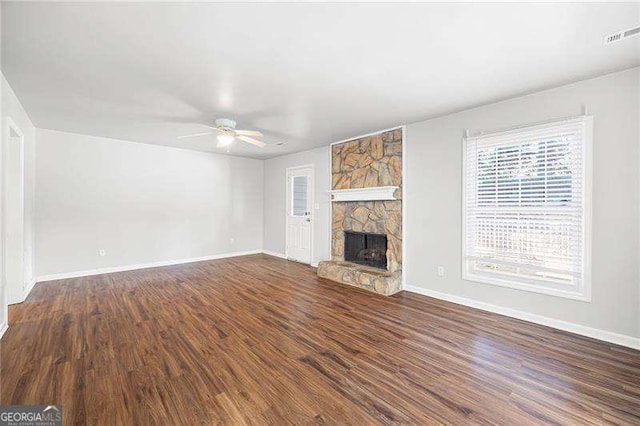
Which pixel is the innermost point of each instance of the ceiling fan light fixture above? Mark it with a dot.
(227, 133)
(225, 139)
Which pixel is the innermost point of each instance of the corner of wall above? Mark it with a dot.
(13, 108)
(264, 204)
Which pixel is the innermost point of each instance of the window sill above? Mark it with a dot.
(583, 296)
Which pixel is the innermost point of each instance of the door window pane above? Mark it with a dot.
(299, 201)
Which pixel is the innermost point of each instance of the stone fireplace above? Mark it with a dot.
(366, 239)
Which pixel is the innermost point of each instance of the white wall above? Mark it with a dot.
(275, 197)
(11, 108)
(4, 308)
(140, 203)
(434, 201)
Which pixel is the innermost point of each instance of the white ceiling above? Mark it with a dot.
(306, 74)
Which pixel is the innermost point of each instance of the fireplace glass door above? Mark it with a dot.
(366, 249)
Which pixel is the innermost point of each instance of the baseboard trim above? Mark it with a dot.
(113, 269)
(284, 256)
(29, 287)
(606, 336)
(3, 327)
(275, 254)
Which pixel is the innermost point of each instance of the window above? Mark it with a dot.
(299, 194)
(526, 208)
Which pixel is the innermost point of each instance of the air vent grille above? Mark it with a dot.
(612, 38)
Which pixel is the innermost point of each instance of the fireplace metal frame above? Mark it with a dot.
(370, 241)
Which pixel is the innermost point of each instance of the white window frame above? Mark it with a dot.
(582, 293)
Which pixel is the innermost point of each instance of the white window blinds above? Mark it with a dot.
(525, 208)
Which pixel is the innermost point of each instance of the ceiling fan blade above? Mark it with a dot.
(194, 135)
(252, 141)
(249, 133)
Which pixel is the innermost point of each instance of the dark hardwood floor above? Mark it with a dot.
(260, 340)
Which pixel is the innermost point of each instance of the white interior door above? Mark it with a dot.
(299, 220)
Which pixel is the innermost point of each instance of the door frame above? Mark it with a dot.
(311, 209)
(11, 131)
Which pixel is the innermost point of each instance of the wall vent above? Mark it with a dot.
(612, 38)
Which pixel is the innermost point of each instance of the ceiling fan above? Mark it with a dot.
(226, 133)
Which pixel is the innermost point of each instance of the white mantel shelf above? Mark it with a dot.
(376, 193)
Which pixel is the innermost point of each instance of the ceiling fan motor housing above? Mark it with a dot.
(225, 124)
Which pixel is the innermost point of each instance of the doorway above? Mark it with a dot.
(299, 220)
(13, 213)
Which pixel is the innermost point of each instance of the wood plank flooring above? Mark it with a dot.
(259, 340)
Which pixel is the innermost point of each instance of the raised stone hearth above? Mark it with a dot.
(378, 280)
(370, 162)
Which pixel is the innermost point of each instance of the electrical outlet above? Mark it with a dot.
(441, 271)
(232, 240)
(102, 253)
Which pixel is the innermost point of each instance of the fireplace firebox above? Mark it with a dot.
(366, 249)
